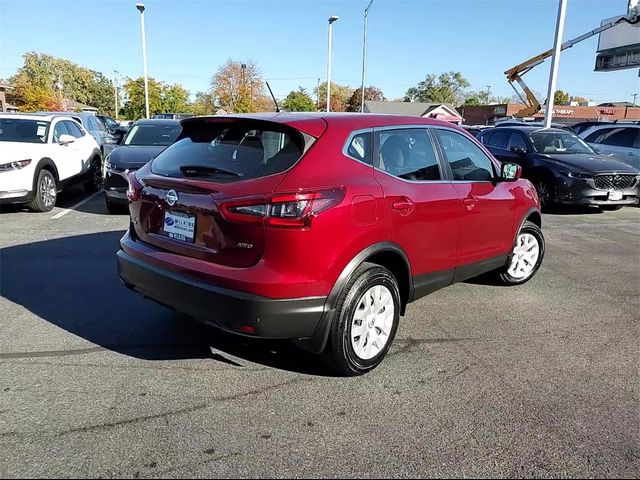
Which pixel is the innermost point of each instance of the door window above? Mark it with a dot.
(498, 139)
(620, 137)
(409, 154)
(73, 129)
(58, 131)
(467, 161)
(518, 141)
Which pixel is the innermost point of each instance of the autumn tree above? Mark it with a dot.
(202, 105)
(238, 87)
(340, 95)
(299, 101)
(370, 94)
(579, 99)
(560, 98)
(446, 88)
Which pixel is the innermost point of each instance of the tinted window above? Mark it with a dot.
(409, 154)
(498, 139)
(360, 147)
(558, 142)
(595, 136)
(152, 135)
(231, 151)
(468, 162)
(74, 129)
(58, 131)
(27, 131)
(517, 140)
(98, 124)
(620, 137)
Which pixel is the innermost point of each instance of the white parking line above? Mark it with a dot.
(79, 204)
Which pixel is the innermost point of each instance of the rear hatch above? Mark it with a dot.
(205, 196)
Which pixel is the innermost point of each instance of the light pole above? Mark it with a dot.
(115, 90)
(364, 52)
(555, 62)
(634, 98)
(140, 7)
(331, 20)
(488, 94)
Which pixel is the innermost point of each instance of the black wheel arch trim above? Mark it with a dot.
(45, 162)
(318, 342)
(526, 217)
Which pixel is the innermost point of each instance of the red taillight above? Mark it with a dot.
(135, 187)
(283, 210)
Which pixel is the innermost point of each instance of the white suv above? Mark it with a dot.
(40, 154)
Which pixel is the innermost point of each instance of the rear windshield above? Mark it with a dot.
(230, 151)
(26, 131)
(152, 135)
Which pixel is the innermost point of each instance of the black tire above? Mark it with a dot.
(503, 276)
(95, 181)
(115, 208)
(610, 208)
(546, 192)
(340, 354)
(46, 193)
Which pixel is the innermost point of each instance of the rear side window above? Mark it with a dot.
(360, 147)
(620, 137)
(468, 162)
(231, 151)
(595, 136)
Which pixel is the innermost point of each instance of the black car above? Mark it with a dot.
(144, 140)
(113, 127)
(563, 168)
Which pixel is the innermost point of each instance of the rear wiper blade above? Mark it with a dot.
(196, 170)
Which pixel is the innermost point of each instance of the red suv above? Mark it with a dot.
(322, 228)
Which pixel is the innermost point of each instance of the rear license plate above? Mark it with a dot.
(179, 226)
(614, 196)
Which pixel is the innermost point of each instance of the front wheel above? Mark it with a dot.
(365, 322)
(526, 256)
(545, 191)
(46, 193)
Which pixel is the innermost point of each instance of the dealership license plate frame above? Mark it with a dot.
(184, 229)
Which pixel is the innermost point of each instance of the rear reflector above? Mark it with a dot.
(283, 210)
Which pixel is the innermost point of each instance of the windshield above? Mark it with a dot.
(225, 152)
(150, 135)
(22, 130)
(559, 142)
(110, 122)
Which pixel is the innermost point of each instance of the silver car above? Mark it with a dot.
(620, 140)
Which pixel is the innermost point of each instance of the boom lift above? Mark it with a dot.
(515, 74)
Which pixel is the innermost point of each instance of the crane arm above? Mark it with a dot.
(515, 74)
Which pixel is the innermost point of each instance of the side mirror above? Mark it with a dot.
(518, 150)
(66, 139)
(511, 172)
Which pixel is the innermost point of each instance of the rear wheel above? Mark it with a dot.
(610, 208)
(95, 176)
(526, 256)
(46, 193)
(365, 322)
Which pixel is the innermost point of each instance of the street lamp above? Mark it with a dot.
(364, 52)
(140, 7)
(331, 20)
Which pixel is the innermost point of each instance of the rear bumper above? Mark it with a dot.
(230, 310)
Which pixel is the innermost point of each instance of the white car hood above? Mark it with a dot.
(13, 151)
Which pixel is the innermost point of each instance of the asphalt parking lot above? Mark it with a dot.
(541, 380)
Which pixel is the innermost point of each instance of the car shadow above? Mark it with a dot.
(577, 210)
(72, 282)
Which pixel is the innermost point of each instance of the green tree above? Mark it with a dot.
(371, 93)
(446, 88)
(579, 99)
(340, 95)
(162, 98)
(174, 98)
(202, 105)
(299, 101)
(560, 98)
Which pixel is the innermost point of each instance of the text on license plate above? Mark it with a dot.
(179, 226)
(615, 196)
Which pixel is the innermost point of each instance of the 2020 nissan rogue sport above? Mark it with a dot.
(323, 227)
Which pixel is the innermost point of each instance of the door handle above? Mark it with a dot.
(404, 206)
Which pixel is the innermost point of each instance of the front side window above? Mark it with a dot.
(151, 135)
(231, 151)
(516, 140)
(73, 129)
(409, 154)
(498, 139)
(558, 142)
(467, 161)
(58, 131)
(23, 131)
(360, 147)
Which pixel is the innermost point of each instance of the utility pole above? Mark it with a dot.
(555, 62)
(332, 19)
(115, 90)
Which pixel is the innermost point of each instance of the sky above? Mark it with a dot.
(187, 40)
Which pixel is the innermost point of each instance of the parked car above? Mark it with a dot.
(113, 127)
(106, 141)
(518, 123)
(172, 116)
(620, 140)
(145, 140)
(322, 228)
(40, 155)
(475, 130)
(564, 169)
(580, 127)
